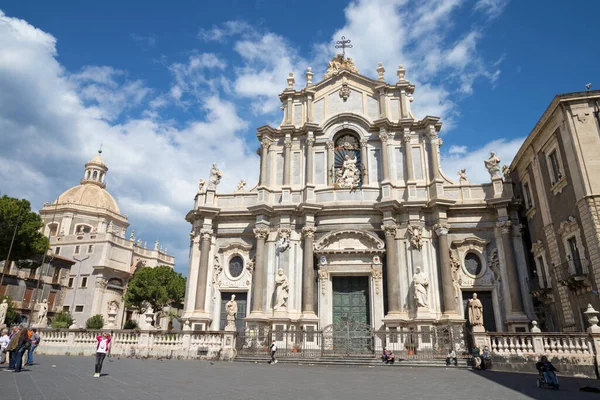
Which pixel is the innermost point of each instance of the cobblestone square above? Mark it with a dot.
(62, 377)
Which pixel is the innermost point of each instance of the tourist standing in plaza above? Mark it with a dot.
(101, 350)
(273, 349)
(35, 342)
(17, 346)
(4, 339)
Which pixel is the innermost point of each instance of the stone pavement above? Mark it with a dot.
(70, 378)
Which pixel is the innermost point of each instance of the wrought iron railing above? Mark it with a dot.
(576, 267)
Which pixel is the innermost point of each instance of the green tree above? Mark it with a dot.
(95, 322)
(155, 287)
(29, 241)
(12, 316)
(62, 320)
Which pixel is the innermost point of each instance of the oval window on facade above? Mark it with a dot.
(236, 266)
(473, 264)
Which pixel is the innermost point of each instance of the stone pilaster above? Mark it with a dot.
(308, 272)
(330, 162)
(264, 157)
(206, 239)
(287, 161)
(259, 285)
(434, 148)
(384, 137)
(516, 301)
(364, 157)
(410, 173)
(310, 141)
(441, 231)
(393, 269)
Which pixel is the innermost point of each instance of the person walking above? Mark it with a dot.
(102, 349)
(35, 342)
(4, 340)
(273, 349)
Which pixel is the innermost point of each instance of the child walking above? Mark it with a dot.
(101, 351)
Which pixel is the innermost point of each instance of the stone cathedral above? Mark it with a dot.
(353, 219)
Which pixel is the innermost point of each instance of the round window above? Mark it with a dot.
(473, 264)
(236, 266)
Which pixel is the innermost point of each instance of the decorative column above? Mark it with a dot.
(308, 272)
(408, 156)
(310, 141)
(516, 303)
(363, 156)
(392, 268)
(258, 285)
(382, 103)
(287, 157)
(384, 136)
(330, 162)
(434, 148)
(447, 286)
(263, 161)
(203, 269)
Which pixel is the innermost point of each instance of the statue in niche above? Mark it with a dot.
(475, 311)
(349, 175)
(421, 285)
(113, 307)
(456, 278)
(215, 177)
(282, 285)
(231, 309)
(493, 166)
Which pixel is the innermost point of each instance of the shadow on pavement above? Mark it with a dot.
(525, 383)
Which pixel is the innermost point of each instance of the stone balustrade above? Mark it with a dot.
(550, 344)
(154, 344)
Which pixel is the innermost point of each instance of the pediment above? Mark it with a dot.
(349, 241)
(357, 83)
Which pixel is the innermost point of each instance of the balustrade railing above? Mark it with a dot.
(550, 344)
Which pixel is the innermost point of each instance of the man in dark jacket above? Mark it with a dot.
(17, 346)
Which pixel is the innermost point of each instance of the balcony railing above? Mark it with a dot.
(541, 291)
(574, 273)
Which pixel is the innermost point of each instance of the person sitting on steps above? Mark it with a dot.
(384, 355)
(451, 359)
(391, 357)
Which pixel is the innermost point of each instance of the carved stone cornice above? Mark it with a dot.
(537, 248)
(505, 226)
(101, 283)
(329, 144)
(261, 233)
(390, 229)
(206, 234)
(441, 229)
(568, 227)
(309, 232)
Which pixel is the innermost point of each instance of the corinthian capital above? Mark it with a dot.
(364, 142)
(330, 144)
(261, 232)
(310, 141)
(390, 229)
(406, 137)
(287, 143)
(505, 226)
(441, 229)
(309, 232)
(383, 136)
(206, 234)
(266, 143)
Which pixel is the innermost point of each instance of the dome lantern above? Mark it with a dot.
(95, 171)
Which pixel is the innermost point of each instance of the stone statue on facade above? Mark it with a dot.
(201, 185)
(109, 228)
(421, 285)
(282, 285)
(493, 166)
(456, 278)
(231, 309)
(337, 64)
(215, 177)
(416, 236)
(475, 311)
(132, 235)
(349, 175)
(156, 245)
(113, 307)
(42, 313)
(463, 176)
(3, 311)
(240, 186)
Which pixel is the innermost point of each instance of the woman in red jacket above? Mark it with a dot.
(101, 352)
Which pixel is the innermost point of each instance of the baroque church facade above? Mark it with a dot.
(85, 225)
(354, 220)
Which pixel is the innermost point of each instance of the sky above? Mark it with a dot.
(169, 88)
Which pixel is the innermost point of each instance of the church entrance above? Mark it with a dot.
(241, 299)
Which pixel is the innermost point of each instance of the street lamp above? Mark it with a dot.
(77, 280)
(7, 262)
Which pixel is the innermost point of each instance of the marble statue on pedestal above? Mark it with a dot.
(42, 313)
(493, 166)
(421, 285)
(231, 309)
(475, 311)
(349, 175)
(215, 177)
(201, 185)
(3, 311)
(282, 289)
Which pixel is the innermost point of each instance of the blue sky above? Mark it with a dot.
(168, 89)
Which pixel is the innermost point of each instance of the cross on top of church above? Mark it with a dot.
(343, 44)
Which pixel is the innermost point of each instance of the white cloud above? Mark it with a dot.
(459, 157)
(492, 8)
(225, 30)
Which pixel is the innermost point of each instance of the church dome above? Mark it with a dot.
(91, 191)
(89, 194)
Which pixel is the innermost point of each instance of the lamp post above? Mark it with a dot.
(77, 280)
(12, 241)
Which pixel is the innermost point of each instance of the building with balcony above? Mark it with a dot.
(353, 219)
(557, 177)
(29, 286)
(85, 225)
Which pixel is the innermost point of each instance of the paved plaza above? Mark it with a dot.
(62, 377)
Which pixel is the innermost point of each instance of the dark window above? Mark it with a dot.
(543, 272)
(57, 250)
(77, 249)
(84, 281)
(527, 193)
(90, 248)
(83, 229)
(70, 282)
(78, 308)
(236, 266)
(555, 171)
(473, 264)
(65, 308)
(575, 258)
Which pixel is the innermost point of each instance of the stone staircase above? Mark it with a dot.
(354, 361)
